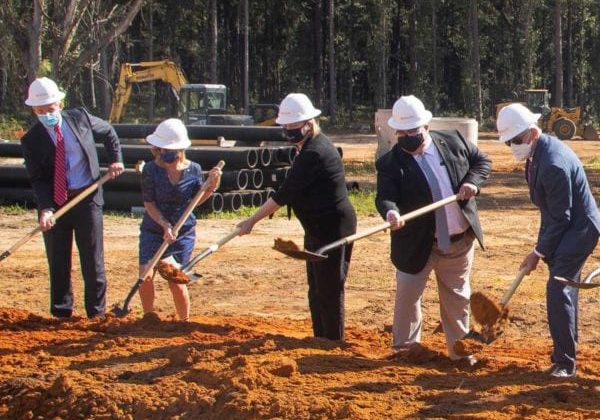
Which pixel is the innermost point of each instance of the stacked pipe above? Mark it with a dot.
(251, 175)
(244, 181)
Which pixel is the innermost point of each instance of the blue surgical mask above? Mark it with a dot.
(169, 156)
(50, 119)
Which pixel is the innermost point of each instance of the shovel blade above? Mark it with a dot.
(576, 284)
(304, 255)
(120, 312)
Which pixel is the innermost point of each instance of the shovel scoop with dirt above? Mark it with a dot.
(493, 317)
(171, 270)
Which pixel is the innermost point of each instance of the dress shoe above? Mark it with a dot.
(558, 371)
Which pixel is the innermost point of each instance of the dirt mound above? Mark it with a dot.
(216, 367)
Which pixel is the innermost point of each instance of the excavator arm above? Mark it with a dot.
(131, 73)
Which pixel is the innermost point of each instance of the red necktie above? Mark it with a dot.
(60, 168)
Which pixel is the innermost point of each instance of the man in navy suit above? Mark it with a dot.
(61, 160)
(569, 227)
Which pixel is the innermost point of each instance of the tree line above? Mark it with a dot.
(350, 56)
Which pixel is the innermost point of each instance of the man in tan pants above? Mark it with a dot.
(426, 166)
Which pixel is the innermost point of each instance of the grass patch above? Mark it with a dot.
(363, 202)
(360, 168)
(9, 209)
(591, 164)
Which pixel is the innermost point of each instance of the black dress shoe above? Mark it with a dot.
(558, 371)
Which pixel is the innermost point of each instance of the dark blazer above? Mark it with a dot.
(38, 151)
(402, 186)
(559, 187)
(315, 188)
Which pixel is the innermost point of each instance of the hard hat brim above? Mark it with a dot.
(291, 119)
(410, 124)
(46, 101)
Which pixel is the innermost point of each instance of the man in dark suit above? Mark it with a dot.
(61, 159)
(426, 166)
(569, 227)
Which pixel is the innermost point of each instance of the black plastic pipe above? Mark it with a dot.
(256, 179)
(232, 201)
(210, 132)
(273, 177)
(265, 157)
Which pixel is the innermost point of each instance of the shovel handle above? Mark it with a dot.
(188, 210)
(57, 214)
(408, 216)
(212, 248)
(511, 290)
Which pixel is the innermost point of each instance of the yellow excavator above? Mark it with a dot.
(566, 123)
(199, 104)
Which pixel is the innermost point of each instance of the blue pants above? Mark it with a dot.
(561, 300)
(326, 280)
(85, 221)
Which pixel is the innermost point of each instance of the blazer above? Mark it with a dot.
(558, 186)
(38, 151)
(316, 190)
(402, 186)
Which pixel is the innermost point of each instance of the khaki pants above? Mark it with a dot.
(452, 270)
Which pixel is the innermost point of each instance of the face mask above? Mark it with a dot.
(170, 156)
(294, 135)
(411, 143)
(521, 151)
(50, 119)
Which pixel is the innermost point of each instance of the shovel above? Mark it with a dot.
(585, 284)
(121, 312)
(172, 271)
(490, 316)
(292, 250)
(61, 211)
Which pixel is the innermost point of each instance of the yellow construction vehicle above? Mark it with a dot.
(199, 104)
(566, 123)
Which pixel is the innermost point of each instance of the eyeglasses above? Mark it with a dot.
(411, 132)
(516, 141)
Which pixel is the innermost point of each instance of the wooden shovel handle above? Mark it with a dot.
(212, 248)
(57, 214)
(367, 232)
(188, 210)
(511, 290)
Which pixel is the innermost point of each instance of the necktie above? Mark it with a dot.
(60, 168)
(441, 223)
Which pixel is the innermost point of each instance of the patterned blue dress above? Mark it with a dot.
(171, 200)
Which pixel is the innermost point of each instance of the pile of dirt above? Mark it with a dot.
(214, 367)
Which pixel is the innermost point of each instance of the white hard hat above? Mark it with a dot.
(43, 91)
(170, 134)
(296, 107)
(408, 113)
(513, 119)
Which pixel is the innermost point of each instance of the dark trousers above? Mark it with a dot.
(85, 221)
(562, 301)
(326, 280)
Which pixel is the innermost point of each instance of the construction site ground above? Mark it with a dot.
(248, 351)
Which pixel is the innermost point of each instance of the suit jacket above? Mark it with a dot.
(402, 186)
(39, 150)
(316, 190)
(559, 187)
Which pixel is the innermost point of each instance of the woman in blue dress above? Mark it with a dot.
(169, 183)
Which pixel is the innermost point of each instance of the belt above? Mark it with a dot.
(457, 237)
(75, 191)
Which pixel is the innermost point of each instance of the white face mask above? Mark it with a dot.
(521, 151)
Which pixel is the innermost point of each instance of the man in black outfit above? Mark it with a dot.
(315, 188)
(426, 166)
(61, 159)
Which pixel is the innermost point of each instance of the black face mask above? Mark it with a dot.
(294, 135)
(411, 143)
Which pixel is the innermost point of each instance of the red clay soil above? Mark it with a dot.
(248, 367)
